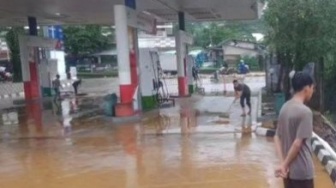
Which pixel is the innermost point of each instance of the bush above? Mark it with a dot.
(97, 75)
(207, 70)
(253, 63)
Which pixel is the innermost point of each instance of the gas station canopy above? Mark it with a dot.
(51, 12)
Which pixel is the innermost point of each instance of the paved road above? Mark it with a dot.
(109, 85)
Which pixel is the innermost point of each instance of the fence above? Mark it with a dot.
(11, 90)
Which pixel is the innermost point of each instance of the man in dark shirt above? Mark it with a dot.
(57, 85)
(243, 92)
(76, 84)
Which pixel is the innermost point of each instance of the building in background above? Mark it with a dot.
(4, 51)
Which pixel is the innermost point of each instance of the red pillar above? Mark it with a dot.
(182, 82)
(32, 85)
(134, 70)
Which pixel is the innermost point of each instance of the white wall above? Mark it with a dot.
(243, 45)
(229, 50)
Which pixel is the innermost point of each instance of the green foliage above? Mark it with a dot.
(88, 39)
(12, 39)
(330, 77)
(208, 70)
(207, 34)
(97, 75)
(304, 30)
(252, 62)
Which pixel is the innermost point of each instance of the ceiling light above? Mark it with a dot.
(58, 15)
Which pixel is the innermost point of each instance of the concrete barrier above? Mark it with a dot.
(261, 131)
(9, 90)
(326, 155)
(323, 151)
(12, 95)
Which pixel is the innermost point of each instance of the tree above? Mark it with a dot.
(88, 39)
(300, 32)
(12, 40)
(213, 33)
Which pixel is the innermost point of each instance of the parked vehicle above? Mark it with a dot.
(5, 75)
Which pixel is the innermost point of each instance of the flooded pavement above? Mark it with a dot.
(45, 119)
(201, 115)
(107, 156)
(94, 153)
(187, 146)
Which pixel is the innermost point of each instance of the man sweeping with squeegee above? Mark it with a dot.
(243, 92)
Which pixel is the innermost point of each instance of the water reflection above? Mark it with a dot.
(188, 120)
(65, 109)
(39, 119)
(119, 156)
(10, 118)
(34, 115)
(165, 123)
(246, 125)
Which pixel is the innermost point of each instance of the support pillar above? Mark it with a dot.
(181, 20)
(31, 79)
(126, 38)
(181, 52)
(124, 68)
(190, 79)
(31, 82)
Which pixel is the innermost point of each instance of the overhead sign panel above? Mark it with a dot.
(141, 20)
(42, 42)
(185, 37)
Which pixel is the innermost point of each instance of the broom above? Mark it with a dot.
(227, 114)
(225, 92)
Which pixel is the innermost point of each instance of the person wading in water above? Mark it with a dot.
(243, 92)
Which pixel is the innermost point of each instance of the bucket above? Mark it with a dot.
(280, 100)
(109, 104)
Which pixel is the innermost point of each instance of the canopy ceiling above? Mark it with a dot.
(48, 12)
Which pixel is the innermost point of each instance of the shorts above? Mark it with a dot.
(245, 97)
(289, 183)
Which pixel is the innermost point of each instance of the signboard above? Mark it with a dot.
(186, 37)
(56, 32)
(41, 42)
(141, 20)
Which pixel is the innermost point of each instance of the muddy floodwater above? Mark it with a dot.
(186, 146)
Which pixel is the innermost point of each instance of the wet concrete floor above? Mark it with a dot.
(181, 147)
(122, 159)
